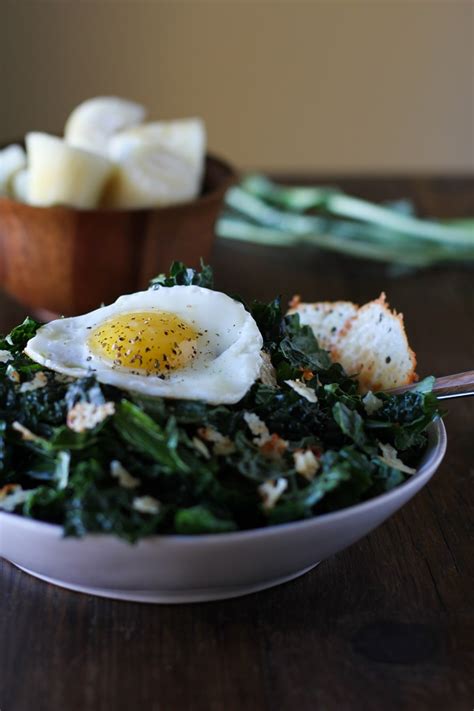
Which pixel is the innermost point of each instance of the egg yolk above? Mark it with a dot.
(156, 342)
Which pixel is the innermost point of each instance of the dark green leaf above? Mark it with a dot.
(350, 422)
(20, 335)
(147, 437)
(199, 519)
(300, 347)
(181, 275)
(269, 319)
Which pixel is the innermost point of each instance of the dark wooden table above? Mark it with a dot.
(386, 624)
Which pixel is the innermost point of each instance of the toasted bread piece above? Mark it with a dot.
(374, 346)
(371, 344)
(327, 320)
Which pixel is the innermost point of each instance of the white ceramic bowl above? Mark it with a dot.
(176, 569)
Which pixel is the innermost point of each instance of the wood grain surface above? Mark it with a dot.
(387, 624)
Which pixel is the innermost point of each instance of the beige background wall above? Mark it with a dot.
(341, 85)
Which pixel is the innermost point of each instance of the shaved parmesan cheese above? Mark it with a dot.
(270, 445)
(146, 504)
(11, 496)
(306, 463)
(302, 390)
(85, 415)
(274, 448)
(5, 356)
(12, 374)
(39, 381)
(389, 457)
(222, 445)
(258, 428)
(270, 491)
(200, 447)
(26, 434)
(62, 469)
(125, 479)
(371, 403)
(267, 371)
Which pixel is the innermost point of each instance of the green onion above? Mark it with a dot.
(264, 212)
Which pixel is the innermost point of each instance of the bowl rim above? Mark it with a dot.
(231, 177)
(432, 458)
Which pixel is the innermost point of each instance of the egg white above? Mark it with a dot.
(228, 360)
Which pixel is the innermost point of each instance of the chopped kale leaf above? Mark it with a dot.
(181, 275)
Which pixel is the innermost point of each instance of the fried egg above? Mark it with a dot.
(175, 342)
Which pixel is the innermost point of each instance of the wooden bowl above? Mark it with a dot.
(61, 260)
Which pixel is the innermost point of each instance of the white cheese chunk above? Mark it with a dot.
(270, 491)
(125, 479)
(306, 463)
(302, 390)
(85, 415)
(146, 504)
(389, 457)
(258, 428)
(371, 403)
(39, 381)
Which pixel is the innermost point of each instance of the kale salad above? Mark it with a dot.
(94, 458)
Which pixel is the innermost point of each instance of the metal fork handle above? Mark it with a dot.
(448, 386)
